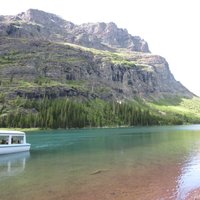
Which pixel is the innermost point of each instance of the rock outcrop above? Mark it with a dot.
(113, 36)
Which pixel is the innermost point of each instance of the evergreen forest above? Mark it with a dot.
(67, 113)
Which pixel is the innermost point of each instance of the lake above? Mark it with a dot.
(157, 163)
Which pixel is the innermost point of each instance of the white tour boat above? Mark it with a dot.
(13, 142)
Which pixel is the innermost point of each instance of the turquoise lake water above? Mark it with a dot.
(104, 164)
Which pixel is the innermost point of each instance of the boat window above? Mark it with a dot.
(4, 139)
(17, 140)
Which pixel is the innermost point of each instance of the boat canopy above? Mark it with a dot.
(12, 137)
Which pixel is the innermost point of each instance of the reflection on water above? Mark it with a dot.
(189, 179)
(12, 164)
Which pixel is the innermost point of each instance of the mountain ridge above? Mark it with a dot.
(39, 24)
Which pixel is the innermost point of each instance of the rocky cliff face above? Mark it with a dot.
(113, 36)
(35, 62)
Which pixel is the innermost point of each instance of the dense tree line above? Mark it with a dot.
(65, 113)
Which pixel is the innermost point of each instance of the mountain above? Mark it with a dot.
(36, 45)
(46, 61)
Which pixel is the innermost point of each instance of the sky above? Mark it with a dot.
(169, 26)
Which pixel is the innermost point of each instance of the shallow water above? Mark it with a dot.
(104, 164)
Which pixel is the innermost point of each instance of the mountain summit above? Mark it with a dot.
(41, 25)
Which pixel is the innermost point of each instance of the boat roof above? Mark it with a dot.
(11, 132)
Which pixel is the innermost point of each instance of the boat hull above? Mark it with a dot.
(7, 149)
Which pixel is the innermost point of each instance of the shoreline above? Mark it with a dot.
(104, 127)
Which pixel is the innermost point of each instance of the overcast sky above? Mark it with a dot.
(171, 27)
